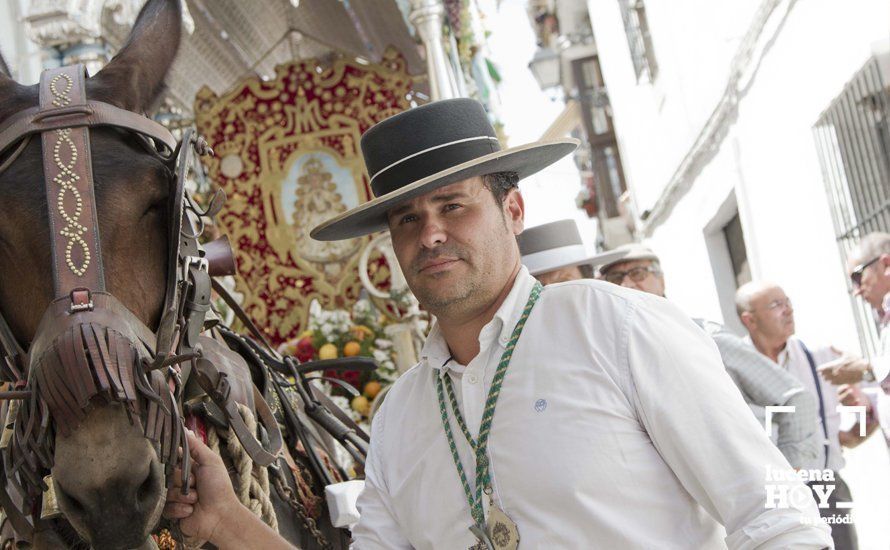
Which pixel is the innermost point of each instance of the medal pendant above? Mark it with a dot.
(502, 530)
(484, 543)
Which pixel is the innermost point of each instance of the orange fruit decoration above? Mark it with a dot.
(351, 349)
(372, 388)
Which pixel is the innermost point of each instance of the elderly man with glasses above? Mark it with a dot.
(767, 313)
(638, 268)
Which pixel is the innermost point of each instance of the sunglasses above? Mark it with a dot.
(856, 274)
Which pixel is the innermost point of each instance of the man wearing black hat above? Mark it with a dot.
(576, 416)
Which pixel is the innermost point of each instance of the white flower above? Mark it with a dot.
(362, 307)
(382, 343)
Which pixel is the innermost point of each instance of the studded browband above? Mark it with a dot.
(63, 118)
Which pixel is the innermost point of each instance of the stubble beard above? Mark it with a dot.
(451, 302)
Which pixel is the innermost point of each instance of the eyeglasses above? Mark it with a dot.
(636, 274)
(776, 304)
(856, 274)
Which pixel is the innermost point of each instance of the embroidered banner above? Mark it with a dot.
(287, 156)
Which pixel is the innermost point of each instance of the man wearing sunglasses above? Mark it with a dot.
(869, 271)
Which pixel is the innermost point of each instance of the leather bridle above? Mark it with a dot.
(88, 341)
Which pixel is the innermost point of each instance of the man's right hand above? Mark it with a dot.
(848, 369)
(211, 499)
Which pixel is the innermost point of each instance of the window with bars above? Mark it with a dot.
(639, 40)
(853, 142)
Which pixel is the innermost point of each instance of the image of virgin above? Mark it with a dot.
(317, 188)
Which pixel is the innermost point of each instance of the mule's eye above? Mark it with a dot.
(156, 208)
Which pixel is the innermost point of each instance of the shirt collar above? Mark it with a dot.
(781, 358)
(435, 350)
(784, 355)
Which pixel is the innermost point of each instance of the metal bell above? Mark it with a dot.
(49, 508)
(9, 423)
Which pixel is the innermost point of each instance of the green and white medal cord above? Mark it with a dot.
(480, 446)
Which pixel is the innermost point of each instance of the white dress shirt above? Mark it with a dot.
(616, 427)
(795, 361)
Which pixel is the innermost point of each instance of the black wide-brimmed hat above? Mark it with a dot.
(422, 149)
(557, 245)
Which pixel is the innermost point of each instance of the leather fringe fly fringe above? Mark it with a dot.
(88, 362)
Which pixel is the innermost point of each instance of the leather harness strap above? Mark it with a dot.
(20, 522)
(87, 114)
(268, 356)
(240, 313)
(70, 195)
(216, 385)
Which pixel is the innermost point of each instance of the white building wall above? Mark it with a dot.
(765, 161)
(768, 155)
(657, 122)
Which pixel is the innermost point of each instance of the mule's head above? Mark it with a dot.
(108, 477)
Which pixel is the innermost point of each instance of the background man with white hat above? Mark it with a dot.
(581, 415)
(554, 253)
(637, 268)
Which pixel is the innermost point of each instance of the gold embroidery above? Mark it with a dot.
(287, 156)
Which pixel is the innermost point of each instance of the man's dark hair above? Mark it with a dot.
(500, 184)
(586, 271)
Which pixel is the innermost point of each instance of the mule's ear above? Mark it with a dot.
(134, 78)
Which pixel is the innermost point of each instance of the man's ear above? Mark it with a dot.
(514, 210)
(747, 320)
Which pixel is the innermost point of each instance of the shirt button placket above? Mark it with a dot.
(474, 399)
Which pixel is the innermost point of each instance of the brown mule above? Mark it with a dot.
(111, 325)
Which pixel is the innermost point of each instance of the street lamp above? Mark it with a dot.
(545, 66)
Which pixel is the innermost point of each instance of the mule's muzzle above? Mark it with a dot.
(87, 356)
